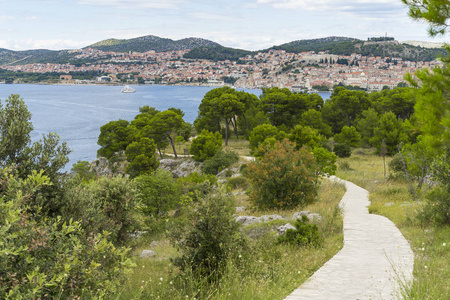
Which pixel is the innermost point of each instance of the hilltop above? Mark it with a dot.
(151, 42)
(206, 49)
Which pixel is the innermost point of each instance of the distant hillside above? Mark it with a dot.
(151, 42)
(217, 53)
(33, 56)
(347, 46)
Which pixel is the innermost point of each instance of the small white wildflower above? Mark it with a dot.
(240, 256)
(170, 282)
(160, 279)
(299, 272)
(423, 249)
(444, 244)
(426, 267)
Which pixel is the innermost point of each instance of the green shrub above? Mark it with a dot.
(397, 163)
(349, 136)
(283, 178)
(49, 258)
(437, 208)
(238, 182)
(219, 162)
(211, 237)
(306, 234)
(342, 150)
(206, 145)
(325, 160)
(107, 203)
(157, 193)
(344, 166)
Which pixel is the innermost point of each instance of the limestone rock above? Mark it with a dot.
(268, 218)
(282, 229)
(247, 220)
(147, 253)
(180, 167)
(240, 208)
(311, 216)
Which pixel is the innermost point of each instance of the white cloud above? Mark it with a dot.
(214, 17)
(135, 4)
(50, 44)
(353, 6)
(6, 18)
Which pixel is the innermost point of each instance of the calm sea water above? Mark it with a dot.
(76, 112)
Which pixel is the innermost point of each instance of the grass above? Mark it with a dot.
(269, 271)
(390, 197)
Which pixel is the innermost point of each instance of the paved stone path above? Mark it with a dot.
(374, 263)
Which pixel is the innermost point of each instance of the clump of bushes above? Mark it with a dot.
(220, 161)
(206, 145)
(342, 150)
(210, 238)
(306, 234)
(238, 182)
(283, 178)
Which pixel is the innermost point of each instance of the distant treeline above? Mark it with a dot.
(28, 77)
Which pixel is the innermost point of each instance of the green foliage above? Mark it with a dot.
(391, 130)
(437, 208)
(141, 157)
(114, 137)
(366, 126)
(306, 234)
(306, 136)
(283, 106)
(83, 170)
(342, 150)
(50, 258)
(105, 204)
(206, 145)
(344, 108)
(283, 178)
(157, 193)
(260, 133)
(420, 156)
(217, 53)
(397, 164)
(195, 186)
(210, 239)
(435, 12)
(313, 119)
(15, 128)
(326, 161)
(348, 136)
(220, 161)
(239, 182)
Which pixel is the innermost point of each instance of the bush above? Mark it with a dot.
(210, 239)
(306, 234)
(238, 182)
(157, 193)
(397, 163)
(283, 177)
(437, 208)
(326, 161)
(49, 258)
(107, 203)
(342, 150)
(348, 136)
(219, 162)
(206, 145)
(344, 166)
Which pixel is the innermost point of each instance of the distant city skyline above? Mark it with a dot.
(245, 24)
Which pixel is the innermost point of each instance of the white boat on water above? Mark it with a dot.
(128, 89)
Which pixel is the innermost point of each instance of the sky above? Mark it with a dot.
(244, 24)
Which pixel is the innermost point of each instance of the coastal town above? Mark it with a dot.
(302, 71)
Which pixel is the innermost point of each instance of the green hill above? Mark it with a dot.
(374, 47)
(151, 42)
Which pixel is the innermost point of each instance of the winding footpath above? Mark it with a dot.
(376, 261)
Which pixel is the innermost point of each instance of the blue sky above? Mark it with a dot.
(246, 24)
